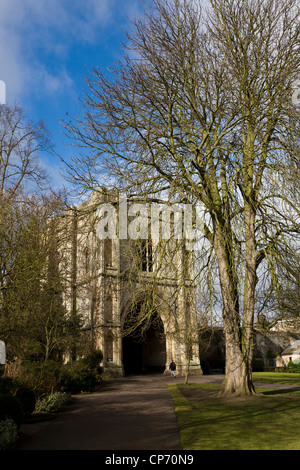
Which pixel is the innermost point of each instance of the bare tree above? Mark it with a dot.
(20, 172)
(20, 144)
(200, 108)
(32, 317)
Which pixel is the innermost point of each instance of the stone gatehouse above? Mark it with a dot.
(135, 295)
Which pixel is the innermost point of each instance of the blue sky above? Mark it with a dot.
(46, 48)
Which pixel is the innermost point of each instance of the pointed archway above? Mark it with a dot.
(144, 349)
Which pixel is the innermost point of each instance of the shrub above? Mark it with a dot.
(280, 369)
(8, 386)
(79, 378)
(52, 402)
(8, 433)
(84, 374)
(43, 377)
(293, 367)
(268, 369)
(92, 360)
(27, 399)
(11, 407)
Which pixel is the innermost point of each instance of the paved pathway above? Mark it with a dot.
(132, 413)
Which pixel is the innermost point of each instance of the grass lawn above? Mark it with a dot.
(270, 421)
(278, 378)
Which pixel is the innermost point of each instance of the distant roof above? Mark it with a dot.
(287, 324)
(292, 348)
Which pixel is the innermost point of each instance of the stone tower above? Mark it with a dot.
(135, 293)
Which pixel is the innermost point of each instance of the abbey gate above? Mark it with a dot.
(134, 292)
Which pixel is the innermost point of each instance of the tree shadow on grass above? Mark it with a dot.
(260, 422)
(226, 409)
(281, 391)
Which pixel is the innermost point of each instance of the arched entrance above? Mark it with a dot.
(144, 349)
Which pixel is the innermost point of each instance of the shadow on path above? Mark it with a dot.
(132, 413)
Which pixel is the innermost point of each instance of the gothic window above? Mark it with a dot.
(108, 252)
(86, 260)
(109, 347)
(108, 309)
(145, 253)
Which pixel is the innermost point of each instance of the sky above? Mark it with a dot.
(48, 47)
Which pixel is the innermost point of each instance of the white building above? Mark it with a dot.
(291, 353)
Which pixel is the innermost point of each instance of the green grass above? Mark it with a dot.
(206, 421)
(275, 377)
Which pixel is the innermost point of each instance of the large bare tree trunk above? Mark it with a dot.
(238, 379)
(238, 334)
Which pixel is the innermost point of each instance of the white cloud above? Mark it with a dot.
(38, 42)
(31, 28)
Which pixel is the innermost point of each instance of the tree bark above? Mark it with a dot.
(238, 337)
